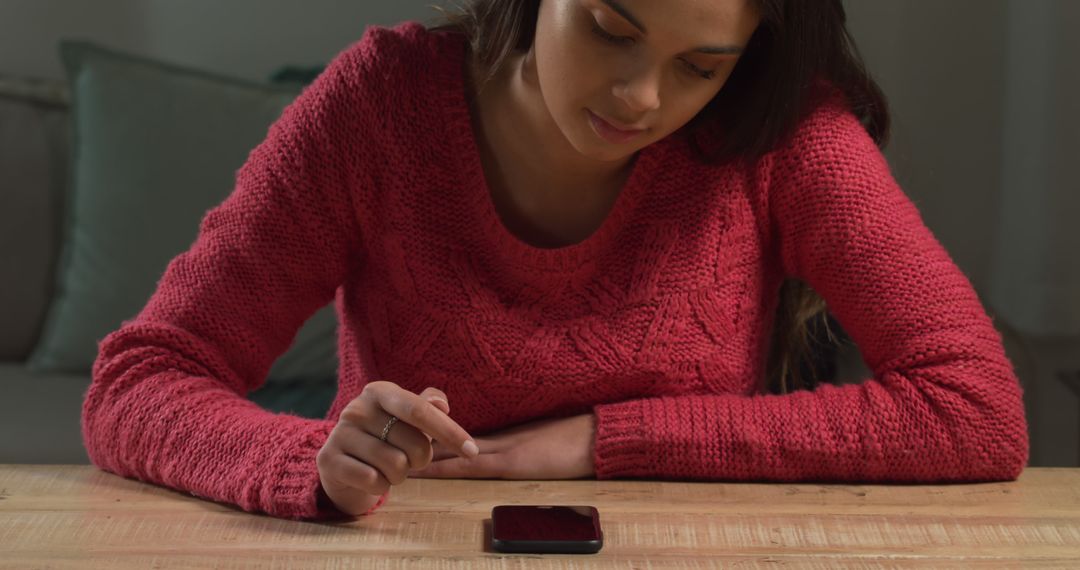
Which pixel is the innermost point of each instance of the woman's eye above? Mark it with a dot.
(697, 70)
(618, 40)
(625, 40)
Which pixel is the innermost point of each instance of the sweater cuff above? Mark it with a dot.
(296, 494)
(295, 489)
(622, 447)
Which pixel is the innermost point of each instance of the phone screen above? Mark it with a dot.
(546, 528)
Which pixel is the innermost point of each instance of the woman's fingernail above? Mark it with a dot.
(470, 448)
(445, 405)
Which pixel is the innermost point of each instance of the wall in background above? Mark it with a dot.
(244, 38)
(946, 90)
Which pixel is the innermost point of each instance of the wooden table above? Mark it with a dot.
(81, 517)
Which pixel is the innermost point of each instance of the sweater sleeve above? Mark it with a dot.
(944, 403)
(167, 403)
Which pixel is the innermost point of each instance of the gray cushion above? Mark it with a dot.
(156, 147)
(33, 178)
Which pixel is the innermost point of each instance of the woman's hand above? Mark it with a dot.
(356, 467)
(560, 448)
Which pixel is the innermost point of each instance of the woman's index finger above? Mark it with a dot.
(426, 417)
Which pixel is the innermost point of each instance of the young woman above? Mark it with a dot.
(598, 228)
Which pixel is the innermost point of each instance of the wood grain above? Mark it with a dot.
(81, 517)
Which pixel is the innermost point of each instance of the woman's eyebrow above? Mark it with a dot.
(622, 11)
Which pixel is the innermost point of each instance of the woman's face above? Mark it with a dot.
(639, 64)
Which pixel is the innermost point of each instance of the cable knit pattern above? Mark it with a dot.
(369, 191)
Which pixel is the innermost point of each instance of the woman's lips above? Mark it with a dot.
(609, 132)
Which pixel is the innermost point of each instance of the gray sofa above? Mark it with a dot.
(39, 412)
(40, 408)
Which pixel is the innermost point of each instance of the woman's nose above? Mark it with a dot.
(640, 92)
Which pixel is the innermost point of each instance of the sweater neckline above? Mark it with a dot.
(478, 195)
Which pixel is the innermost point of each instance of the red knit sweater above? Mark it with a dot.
(369, 191)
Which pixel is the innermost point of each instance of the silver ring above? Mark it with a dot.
(386, 430)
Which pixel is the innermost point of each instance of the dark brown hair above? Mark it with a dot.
(800, 48)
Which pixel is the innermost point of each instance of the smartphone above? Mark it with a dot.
(546, 529)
